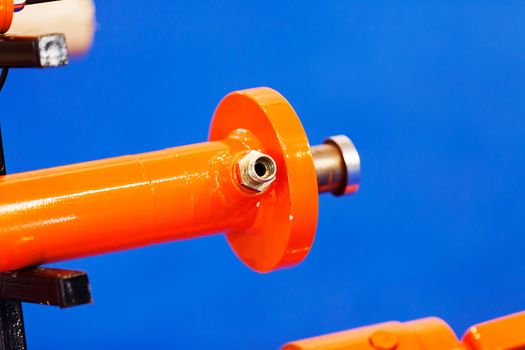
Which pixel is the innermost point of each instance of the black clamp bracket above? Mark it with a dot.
(56, 287)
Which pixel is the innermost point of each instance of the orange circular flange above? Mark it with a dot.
(6, 15)
(284, 227)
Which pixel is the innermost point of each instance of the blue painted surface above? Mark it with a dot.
(433, 96)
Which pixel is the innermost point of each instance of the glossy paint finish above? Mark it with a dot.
(424, 334)
(286, 217)
(503, 333)
(6, 15)
(430, 92)
(178, 193)
(91, 208)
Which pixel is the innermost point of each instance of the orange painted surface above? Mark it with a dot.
(6, 15)
(178, 193)
(427, 333)
(505, 333)
(284, 227)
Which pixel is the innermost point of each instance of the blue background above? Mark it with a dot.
(432, 94)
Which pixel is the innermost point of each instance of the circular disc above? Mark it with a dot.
(286, 219)
(6, 15)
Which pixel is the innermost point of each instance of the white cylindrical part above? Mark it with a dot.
(74, 18)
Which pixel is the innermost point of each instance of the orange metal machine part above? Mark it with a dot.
(505, 333)
(179, 193)
(192, 191)
(6, 15)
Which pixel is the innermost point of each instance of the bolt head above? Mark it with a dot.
(384, 340)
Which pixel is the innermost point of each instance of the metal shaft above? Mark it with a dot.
(337, 165)
(329, 166)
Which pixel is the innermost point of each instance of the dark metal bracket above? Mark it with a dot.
(55, 287)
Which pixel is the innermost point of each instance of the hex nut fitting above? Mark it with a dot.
(256, 171)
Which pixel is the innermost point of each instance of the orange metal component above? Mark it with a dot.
(427, 333)
(178, 193)
(6, 15)
(284, 223)
(506, 333)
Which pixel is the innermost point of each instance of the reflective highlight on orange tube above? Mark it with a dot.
(178, 193)
(101, 206)
(423, 334)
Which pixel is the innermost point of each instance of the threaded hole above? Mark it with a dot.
(264, 167)
(260, 169)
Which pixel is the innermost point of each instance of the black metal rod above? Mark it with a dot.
(12, 332)
(33, 51)
(3, 77)
(3, 169)
(57, 287)
(32, 2)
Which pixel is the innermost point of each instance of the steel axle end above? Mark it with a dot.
(338, 166)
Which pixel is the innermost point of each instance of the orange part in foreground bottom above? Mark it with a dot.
(505, 333)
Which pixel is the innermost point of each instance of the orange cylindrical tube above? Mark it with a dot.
(107, 205)
(423, 334)
(501, 333)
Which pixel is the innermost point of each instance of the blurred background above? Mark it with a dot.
(432, 93)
